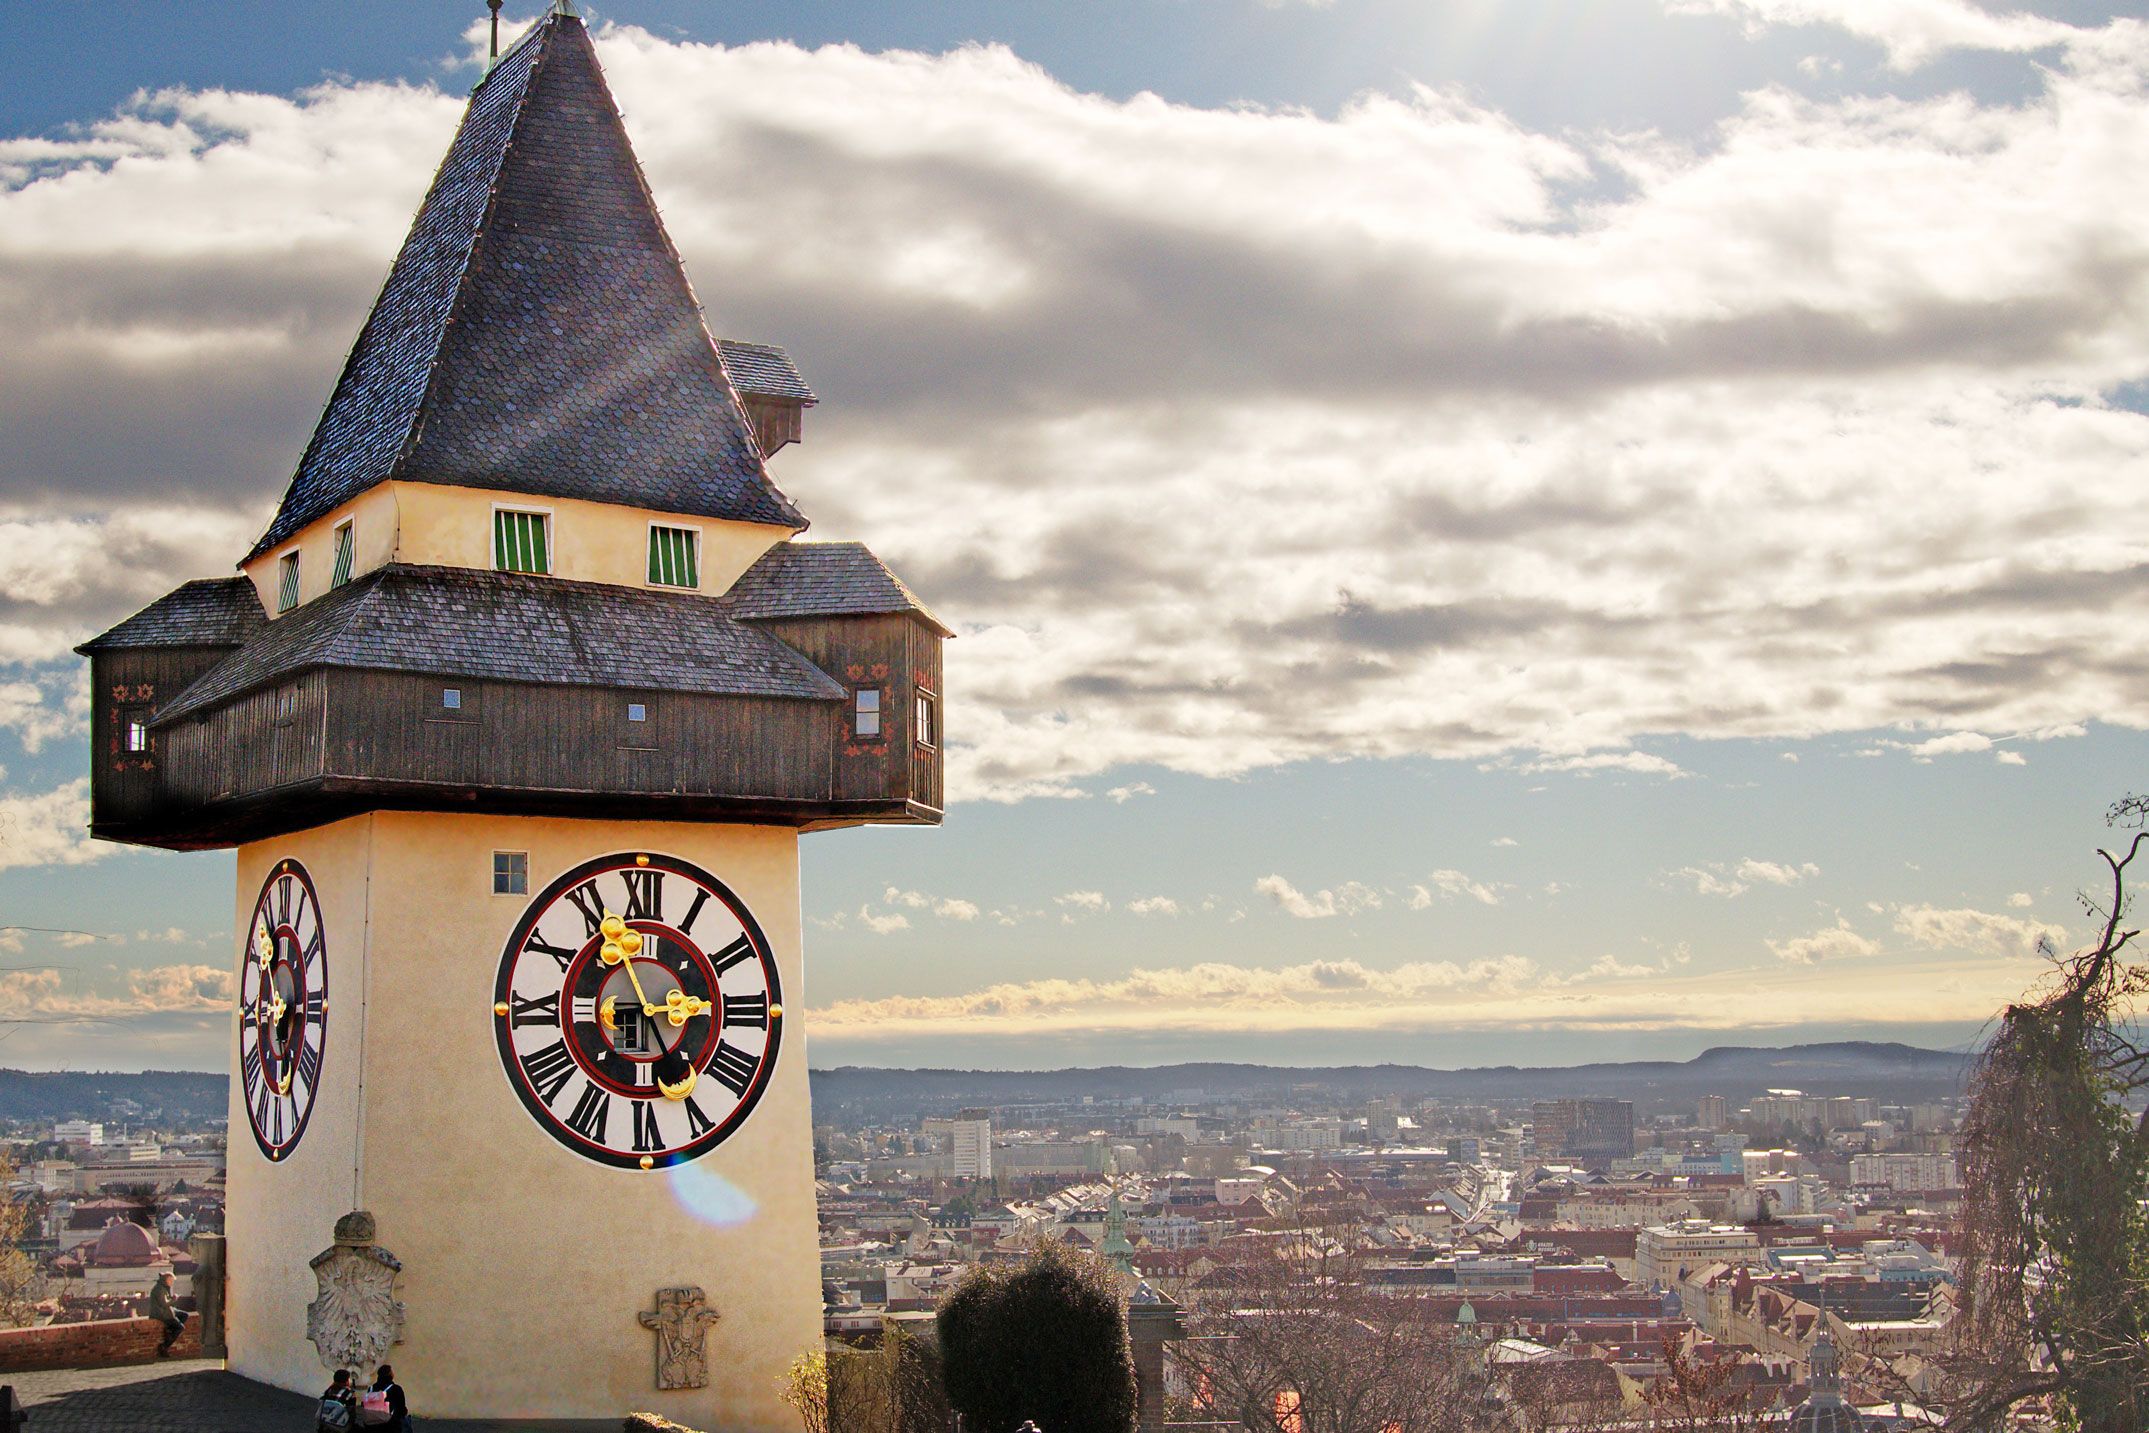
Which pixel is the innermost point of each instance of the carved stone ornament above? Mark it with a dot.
(357, 1317)
(681, 1324)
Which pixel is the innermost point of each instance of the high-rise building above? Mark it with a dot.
(970, 1144)
(1592, 1132)
(1712, 1112)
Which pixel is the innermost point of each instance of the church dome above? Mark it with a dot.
(123, 1246)
(1824, 1410)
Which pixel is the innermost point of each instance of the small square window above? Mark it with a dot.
(511, 873)
(521, 541)
(865, 712)
(345, 550)
(637, 712)
(451, 698)
(928, 733)
(674, 557)
(287, 582)
(134, 729)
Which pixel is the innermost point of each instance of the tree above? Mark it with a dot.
(1294, 1341)
(2057, 1241)
(1044, 1340)
(805, 1388)
(22, 1282)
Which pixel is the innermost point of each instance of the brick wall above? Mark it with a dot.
(91, 1345)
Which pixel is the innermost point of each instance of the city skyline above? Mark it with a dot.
(1450, 566)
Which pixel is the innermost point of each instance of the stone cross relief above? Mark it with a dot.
(681, 1323)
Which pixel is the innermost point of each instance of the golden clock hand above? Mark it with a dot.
(619, 948)
(680, 1007)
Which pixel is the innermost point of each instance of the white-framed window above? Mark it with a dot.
(927, 729)
(865, 713)
(521, 540)
(134, 734)
(287, 581)
(346, 552)
(674, 556)
(511, 873)
(637, 711)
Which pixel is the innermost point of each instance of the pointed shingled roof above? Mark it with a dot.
(537, 333)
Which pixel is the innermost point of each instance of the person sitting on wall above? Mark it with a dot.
(160, 1309)
(339, 1405)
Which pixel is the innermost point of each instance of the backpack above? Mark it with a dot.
(335, 1413)
(373, 1409)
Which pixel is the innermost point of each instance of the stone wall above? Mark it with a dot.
(98, 1344)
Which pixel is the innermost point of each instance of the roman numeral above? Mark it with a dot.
(646, 1138)
(309, 1064)
(590, 1113)
(739, 950)
(283, 901)
(549, 1070)
(733, 1068)
(645, 894)
(697, 1123)
(748, 1010)
(693, 912)
(316, 947)
(316, 1004)
(250, 1066)
(563, 958)
(544, 1010)
(583, 1007)
(586, 900)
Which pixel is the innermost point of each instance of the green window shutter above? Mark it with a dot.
(287, 582)
(673, 557)
(342, 572)
(520, 541)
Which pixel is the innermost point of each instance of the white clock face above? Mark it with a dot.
(283, 1009)
(637, 1010)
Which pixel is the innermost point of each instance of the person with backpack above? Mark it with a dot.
(160, 1309)
(339, 1405)
(384, 1406)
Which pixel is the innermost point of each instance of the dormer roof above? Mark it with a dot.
(537, 333)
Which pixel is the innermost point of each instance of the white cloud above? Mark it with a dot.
(49, 828)
(1828, 943)
(1714, 878)
(1086, 902)
(1505, 841)
(1347, 899)
(1775, 873)
(2020, 900)
(2011, 758)
(1912, 32)
(1454, 884)
(881, 924)
(1974, 931)
(1154, 906)
(1458, 385)
(1123, 794)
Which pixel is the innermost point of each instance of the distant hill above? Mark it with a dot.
(152, 1097)
(1851, 1067)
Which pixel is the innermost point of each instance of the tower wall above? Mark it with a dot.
(524, 1264)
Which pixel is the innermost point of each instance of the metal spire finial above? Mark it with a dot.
(494, 6)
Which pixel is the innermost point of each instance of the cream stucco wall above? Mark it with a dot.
(452, 527)
(524, 1264)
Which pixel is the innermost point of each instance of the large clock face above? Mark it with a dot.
(283, 1009)
(637, 1010)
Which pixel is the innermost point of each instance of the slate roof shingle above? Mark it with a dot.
(505, 626)
(212, 612)
(537, 333)
(764, 370)
(823, 579)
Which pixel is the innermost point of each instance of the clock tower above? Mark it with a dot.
(515, 715)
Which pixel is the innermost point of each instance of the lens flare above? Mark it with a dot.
(710, 1197)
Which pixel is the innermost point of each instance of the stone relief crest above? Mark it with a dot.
(681, 1323)
(356, 1317)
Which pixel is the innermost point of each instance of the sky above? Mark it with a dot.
(1478, 533)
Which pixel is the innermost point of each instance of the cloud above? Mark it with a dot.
(1714, 878)
(1828, 943)
(1453, 884)
(33, 995)
(1912, 32)
(1086, 902)
(49, 828)
(1347, 899)
(2020, 900)
(1120, 795)
(2011, 758)
(1505, 841)
(946, 907)
(1975, 931)
(1459, 386)
(882, 924)
(1154, 906)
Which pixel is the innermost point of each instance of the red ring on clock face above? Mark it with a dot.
(600, 1094)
